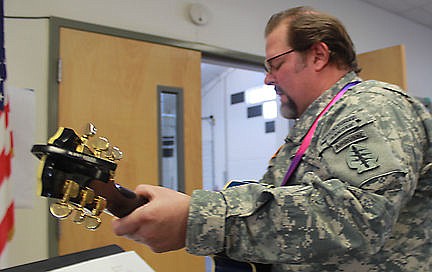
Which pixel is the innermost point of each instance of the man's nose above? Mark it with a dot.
(269, 79)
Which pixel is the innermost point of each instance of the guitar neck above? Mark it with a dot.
(120, 201)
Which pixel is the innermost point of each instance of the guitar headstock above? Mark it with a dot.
(79, 171)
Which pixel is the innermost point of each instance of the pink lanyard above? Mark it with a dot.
(305, 144)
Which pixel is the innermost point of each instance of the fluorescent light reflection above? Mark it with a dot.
(270, 110)
(260, 94)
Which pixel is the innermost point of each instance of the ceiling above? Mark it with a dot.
(418, 11)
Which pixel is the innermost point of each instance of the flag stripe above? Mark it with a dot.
(5, 161)
(6, 227)
(6, 150)
(6, 196)
(6, 144)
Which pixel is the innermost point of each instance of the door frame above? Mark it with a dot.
(209, 53)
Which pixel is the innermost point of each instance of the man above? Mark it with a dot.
(358, 196)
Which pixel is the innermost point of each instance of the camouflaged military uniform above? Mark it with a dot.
(360, 200)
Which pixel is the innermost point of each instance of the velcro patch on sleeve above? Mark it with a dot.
(361, 158)
(359, 155)
(349, 139)
(345, 126)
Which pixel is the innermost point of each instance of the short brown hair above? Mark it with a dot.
(307, 26)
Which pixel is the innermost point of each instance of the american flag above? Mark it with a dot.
(6, 151)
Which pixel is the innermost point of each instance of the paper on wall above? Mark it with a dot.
(24, 165)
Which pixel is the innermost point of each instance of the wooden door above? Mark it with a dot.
(112, 82)
(386, 64)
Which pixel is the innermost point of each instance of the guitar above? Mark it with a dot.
(78, 171)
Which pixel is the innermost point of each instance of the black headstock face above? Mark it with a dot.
(68, 157)
(79, 172)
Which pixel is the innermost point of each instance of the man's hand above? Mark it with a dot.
(160, 223)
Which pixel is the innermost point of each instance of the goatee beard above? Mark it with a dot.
(289, 109)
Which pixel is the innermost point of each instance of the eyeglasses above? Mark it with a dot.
(267, 63)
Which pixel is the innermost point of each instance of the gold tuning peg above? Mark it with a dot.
(63, 209)
(100, 144)
(87, 197)
(88, 132)
(93, 220)
(114, 153)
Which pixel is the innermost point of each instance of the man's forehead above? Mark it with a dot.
(277, 39)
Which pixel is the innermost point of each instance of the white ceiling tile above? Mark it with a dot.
(428, 8)
(419, 15)
(417, 3)
(419, 11)
(391, 5)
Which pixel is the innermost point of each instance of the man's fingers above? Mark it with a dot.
(145, 191)
(126, 225)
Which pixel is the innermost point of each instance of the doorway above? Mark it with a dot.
(65, 105)
(238, 111)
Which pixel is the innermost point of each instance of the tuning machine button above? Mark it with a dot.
(114, 153)
(93, 221)
(63, 209)
(87, 197)
(99, 145)
(88, 132)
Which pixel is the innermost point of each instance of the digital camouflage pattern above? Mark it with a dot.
(360, 199)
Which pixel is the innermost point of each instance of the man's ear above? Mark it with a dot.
(321, 55)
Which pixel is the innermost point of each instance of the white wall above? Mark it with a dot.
(27, 59)
(235, 24)
(239, 24)
(241, 148)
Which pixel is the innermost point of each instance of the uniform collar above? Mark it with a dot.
(302, 124)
